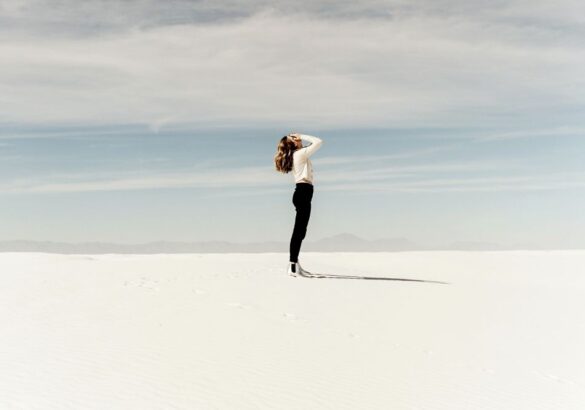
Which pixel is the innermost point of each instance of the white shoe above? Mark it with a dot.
(294, 269)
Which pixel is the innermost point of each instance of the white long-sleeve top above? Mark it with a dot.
(302, 167)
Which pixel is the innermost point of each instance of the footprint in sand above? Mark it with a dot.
(152, 285)
(239, 305)
(292, 317)
(143, 283)
(555, 378)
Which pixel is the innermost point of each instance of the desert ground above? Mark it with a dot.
(448, 330)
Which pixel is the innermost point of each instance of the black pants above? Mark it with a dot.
(302, 201)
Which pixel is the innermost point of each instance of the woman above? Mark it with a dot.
(292, 156)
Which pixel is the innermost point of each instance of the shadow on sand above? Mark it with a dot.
(311, 275)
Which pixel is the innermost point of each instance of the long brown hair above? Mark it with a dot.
(283, 159)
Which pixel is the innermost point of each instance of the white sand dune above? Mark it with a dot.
(217, 331)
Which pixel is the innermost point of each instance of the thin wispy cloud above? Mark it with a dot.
(562, 131)
(392, 178)
(510, 184)
(339, 160)
(548, 182)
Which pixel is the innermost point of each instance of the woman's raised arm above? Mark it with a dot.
(316, 143)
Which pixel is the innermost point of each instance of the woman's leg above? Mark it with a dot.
(302, 202)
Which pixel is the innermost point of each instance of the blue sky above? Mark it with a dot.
(135, 121)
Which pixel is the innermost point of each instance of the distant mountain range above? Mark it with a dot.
(344, 242)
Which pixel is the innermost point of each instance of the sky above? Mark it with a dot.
(442, 121)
